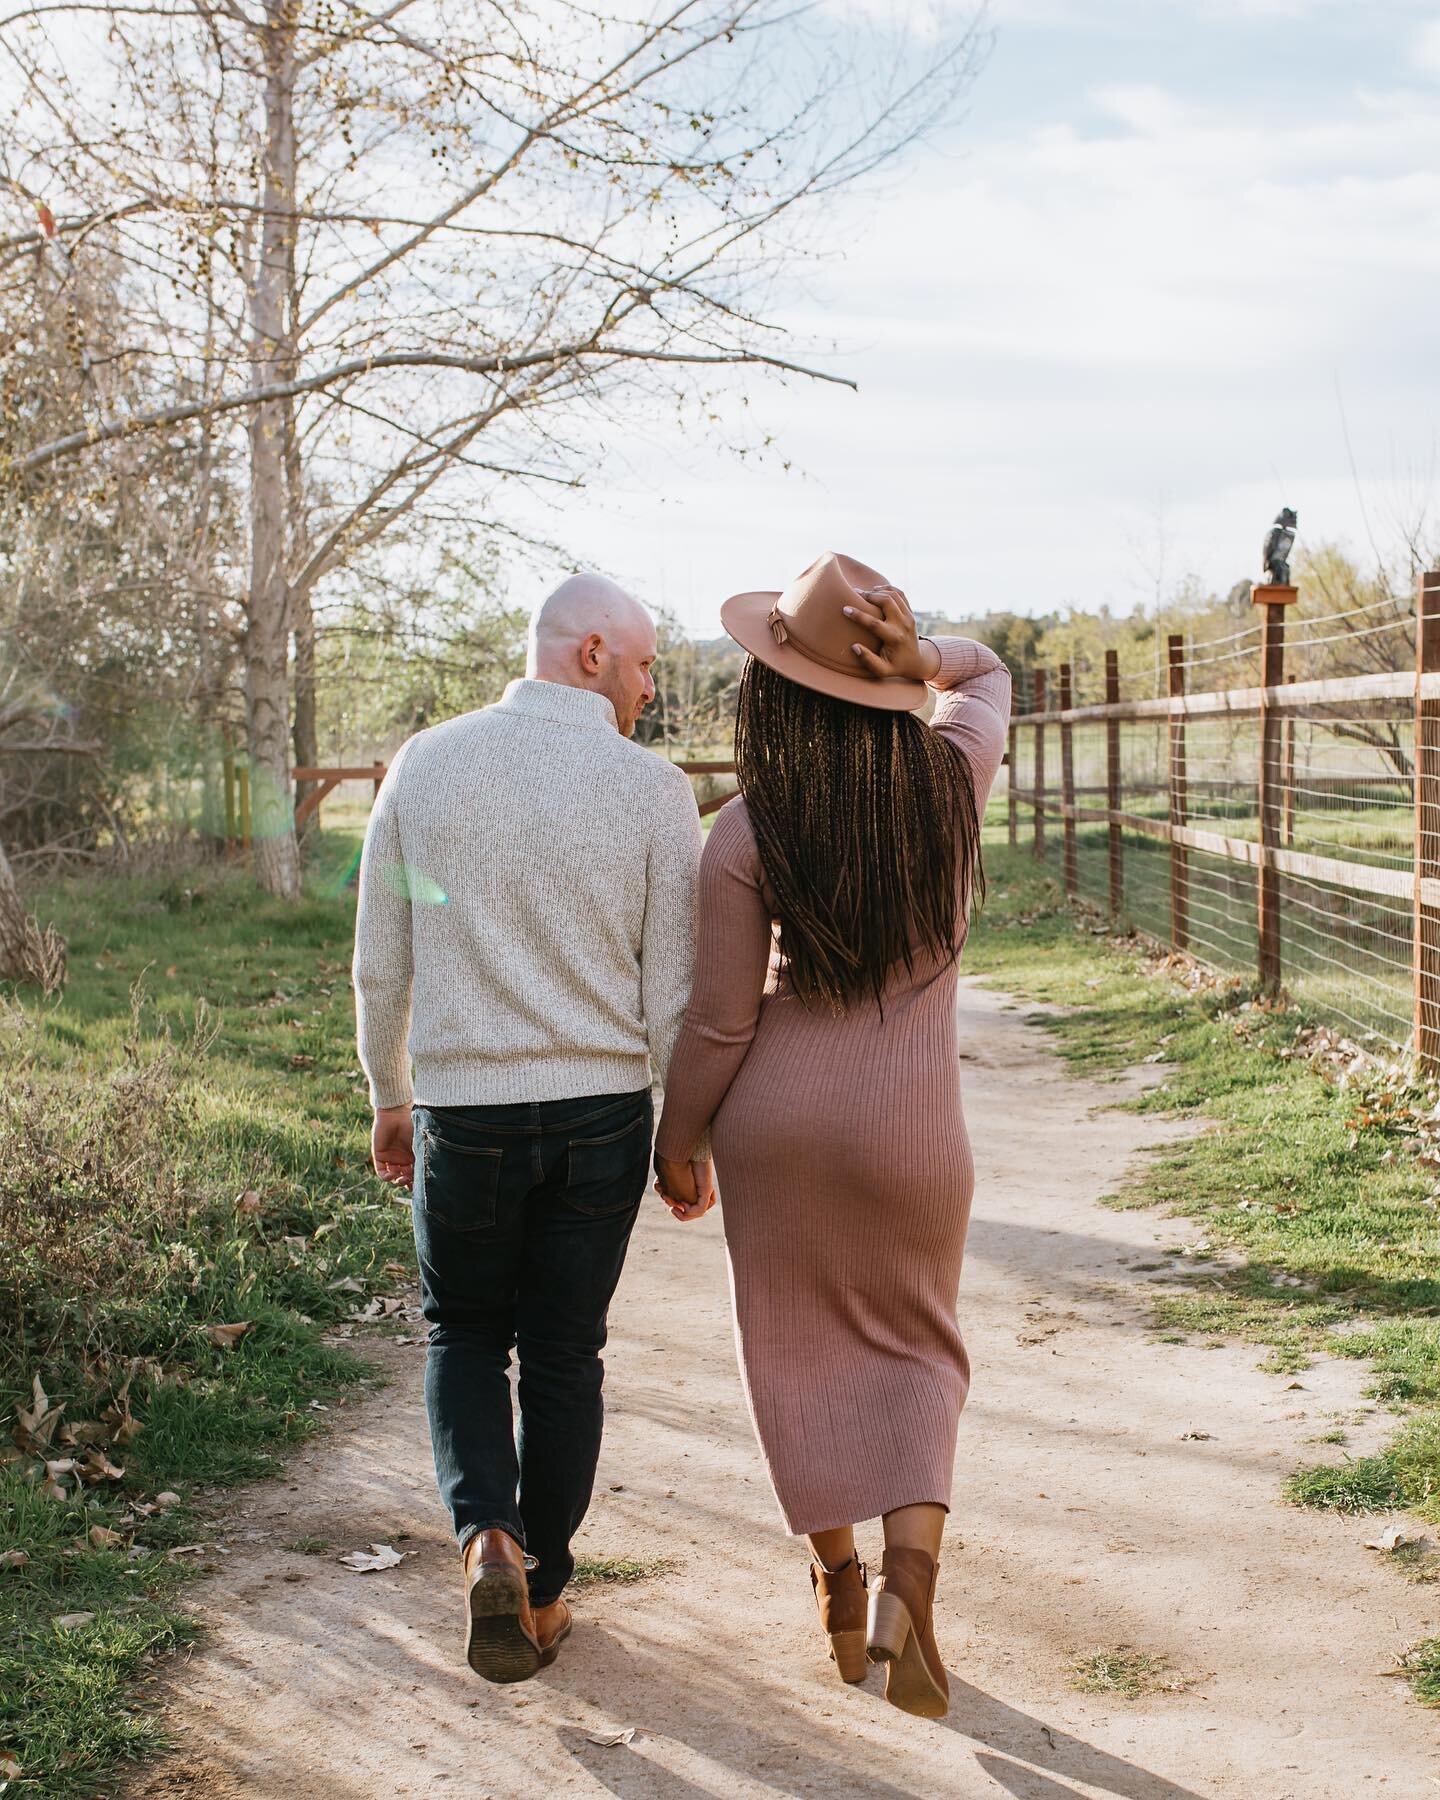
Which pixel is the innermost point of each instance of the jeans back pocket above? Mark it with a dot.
(457, 1184)
(606, 1173)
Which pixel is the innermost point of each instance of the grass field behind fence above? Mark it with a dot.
(1347, 956)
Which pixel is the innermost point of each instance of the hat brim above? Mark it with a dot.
(746, 617)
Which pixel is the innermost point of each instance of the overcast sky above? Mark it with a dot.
(1175, 255)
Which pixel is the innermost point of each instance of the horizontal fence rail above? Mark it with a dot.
(1284, 827)
(314, 784)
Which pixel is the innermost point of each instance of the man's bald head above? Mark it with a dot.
(591, 634)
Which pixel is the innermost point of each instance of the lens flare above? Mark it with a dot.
(413, 885)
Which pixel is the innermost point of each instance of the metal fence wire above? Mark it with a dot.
(1261, 812)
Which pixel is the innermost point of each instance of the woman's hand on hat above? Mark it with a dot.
(901, 650)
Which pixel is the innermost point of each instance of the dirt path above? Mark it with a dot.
(1088, 1519)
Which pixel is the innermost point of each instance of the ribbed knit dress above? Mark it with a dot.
(845, 1174)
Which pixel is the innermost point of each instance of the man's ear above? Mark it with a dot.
(591, 653)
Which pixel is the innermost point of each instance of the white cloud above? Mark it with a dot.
(1146, 300)
(1425, 51)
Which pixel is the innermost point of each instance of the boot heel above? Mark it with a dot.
(890, 1627)
(848, 1649)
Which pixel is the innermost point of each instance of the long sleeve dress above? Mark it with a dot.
(845, 1174)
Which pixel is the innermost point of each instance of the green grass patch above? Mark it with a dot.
(1318, 1184)
(1124, 1671)
(620, 1571)
(1422, 1668)
(182, 1151)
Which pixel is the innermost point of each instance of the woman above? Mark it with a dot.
(820, 1045)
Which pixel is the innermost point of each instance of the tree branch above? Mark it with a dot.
(111, 429)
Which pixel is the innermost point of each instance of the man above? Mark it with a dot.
(524, 940)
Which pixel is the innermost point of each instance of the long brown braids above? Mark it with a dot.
(867, 830)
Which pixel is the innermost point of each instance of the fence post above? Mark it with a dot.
(1179, 856)
(1012, 803)
(1037, 703)
(1267, 882)
(1112, 786)
(1427, 825)
(1067, 786)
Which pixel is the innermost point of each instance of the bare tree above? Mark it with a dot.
(428, 248)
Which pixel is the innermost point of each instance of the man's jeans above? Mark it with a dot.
(522, 1218)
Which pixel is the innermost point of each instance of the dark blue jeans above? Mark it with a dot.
(522, 1218)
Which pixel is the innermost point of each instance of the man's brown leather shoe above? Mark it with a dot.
(902, 1634)
(553, 1625)
(840, 1595)
(502, 1642)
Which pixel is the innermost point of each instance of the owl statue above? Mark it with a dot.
(1279, 542)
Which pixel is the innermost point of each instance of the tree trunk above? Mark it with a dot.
(307, 743)
(302, 615)
(267, 695)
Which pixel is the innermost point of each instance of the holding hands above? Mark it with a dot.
(902, 651)
(687, 1188)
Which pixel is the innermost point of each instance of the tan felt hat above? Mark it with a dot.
(803, 634)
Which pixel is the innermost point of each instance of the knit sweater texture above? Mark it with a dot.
(527, 899)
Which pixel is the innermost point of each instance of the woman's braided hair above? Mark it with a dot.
(867, 830)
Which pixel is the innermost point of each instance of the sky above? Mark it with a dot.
(1176, 265)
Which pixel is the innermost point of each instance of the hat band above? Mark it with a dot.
(782, 629)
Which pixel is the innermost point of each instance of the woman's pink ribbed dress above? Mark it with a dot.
(844, 1171)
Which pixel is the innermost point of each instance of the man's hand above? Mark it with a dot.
(687, 1188)
(902, 651)
(392, 1149)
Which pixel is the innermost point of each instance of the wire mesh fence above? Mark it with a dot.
(1265, 801)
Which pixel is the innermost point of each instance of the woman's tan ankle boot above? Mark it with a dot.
(840, 1595)
(902, 1634)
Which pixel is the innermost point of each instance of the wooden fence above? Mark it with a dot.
(313, 785)
(1356, 899)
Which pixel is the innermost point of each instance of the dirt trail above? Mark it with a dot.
(1088, 1519)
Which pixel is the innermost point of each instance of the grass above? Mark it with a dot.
(620, 1571)
(182, 1140)
(1317, 1184)
(1421, 1666)
(1124, 1671)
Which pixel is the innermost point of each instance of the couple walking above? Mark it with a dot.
(538, 927)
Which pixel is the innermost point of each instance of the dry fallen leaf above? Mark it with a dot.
(1200, 1437)
(37, 1421)
(1391, 1538)
(9, 1766)
(83, 1431)
(248, 1202)
(103, 1538)
(95, 1465)
(14, 1559)
(609, 1739)
(68, 1621)
(379, 1556)
(184, 1550)
(167, 1499)
(347, 1284)
(226, 1337)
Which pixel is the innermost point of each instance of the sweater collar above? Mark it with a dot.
(560, 704)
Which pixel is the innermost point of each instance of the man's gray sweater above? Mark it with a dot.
(527, 900)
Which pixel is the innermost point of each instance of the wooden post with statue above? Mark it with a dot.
(1276, 593)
